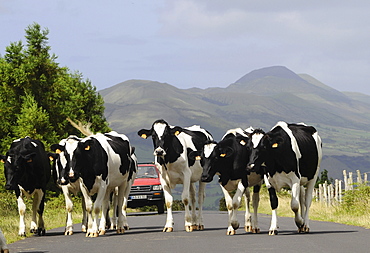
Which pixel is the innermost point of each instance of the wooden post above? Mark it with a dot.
(326, 192)
(321, 198)
(359, 178)
(365, 178)
(345, 180)
(336, 191)
(340, 191)
(350, 181)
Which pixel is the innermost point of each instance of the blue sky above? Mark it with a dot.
(200, 43)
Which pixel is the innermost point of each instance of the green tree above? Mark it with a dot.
(322, 178)
(37, 95)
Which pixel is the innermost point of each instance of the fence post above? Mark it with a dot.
(326, 192)
(336, 191)
(350, 181)
(321, 198)
(345, 180)
(340, 191)
(359, 178)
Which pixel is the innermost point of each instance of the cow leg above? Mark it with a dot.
(168, 227)
(40, 211)
(69, 208)
(22, 211)
(247, 216)
(308, 200)
(123, 192)
(115, 209)
(89, 209)
(185, 196)
(295, 204)
(193, 207)
(201, 196)
(84, 215)
(100, 207)
(255, 201)
(274, 203)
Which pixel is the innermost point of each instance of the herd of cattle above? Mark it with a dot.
(289, 155)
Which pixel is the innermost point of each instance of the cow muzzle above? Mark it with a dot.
(159, 152)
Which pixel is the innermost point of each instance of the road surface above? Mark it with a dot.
(145, 235)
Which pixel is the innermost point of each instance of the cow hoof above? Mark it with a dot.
(230, 232)
(68, 232)
(167, 229)
(23, 234)
(83, 229)
(273, 232)
(303, 229)
(120, 231)
(41, 231)
(5, 251)
(189, 228)
(102, 232)
(92, 234)
(235, 225)
(200, 227)
(126, 227)
(248, 229)
(33, 231)
(256, 230)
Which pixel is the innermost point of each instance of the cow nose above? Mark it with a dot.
(159, 152)
(8, 186)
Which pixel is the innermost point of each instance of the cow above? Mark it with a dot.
(228, 158)
(172, 146)
(104, 162)
(292, 154)
(27, 172)
(62, 159)
(3, 246)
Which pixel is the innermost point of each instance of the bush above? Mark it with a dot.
(357, 201)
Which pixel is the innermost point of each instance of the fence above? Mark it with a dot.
(331, 194)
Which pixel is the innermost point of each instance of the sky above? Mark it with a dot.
(199, 43)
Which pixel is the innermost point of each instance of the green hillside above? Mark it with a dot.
(258, 99)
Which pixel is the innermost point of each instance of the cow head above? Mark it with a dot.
(63, 159)
(261, 144)
(18, 162)
(164, 138)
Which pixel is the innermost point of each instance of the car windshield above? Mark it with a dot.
(146, 172)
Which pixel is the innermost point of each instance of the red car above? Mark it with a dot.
(147, 189)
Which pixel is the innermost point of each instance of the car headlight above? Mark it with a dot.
(157, 187)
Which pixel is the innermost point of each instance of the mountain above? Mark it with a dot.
(259, 99)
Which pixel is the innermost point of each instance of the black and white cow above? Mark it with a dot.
(27, 172)
(62, 162)
(172, 146)
(229, 158)
(292, 154)
(103, 162)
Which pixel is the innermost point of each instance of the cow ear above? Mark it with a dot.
(2, 158)
(53, 156)
(176, 130)
(195, 155)
(144, 133)
(57, 148)
(226, 152)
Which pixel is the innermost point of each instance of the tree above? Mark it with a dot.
(37, 95)
(322, 178)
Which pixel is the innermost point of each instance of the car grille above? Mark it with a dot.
(140, 188)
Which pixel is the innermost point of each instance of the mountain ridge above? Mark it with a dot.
(259, 99)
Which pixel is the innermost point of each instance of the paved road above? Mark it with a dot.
(145, 236)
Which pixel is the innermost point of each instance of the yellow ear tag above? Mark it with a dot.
(198, 158)
(177, 133)
(243, 142)
(143, 136)
(2, 161)
(58, 151)
(222, 155)
(30, 160)
(87, 148)
(275, 145)
(51, 158)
